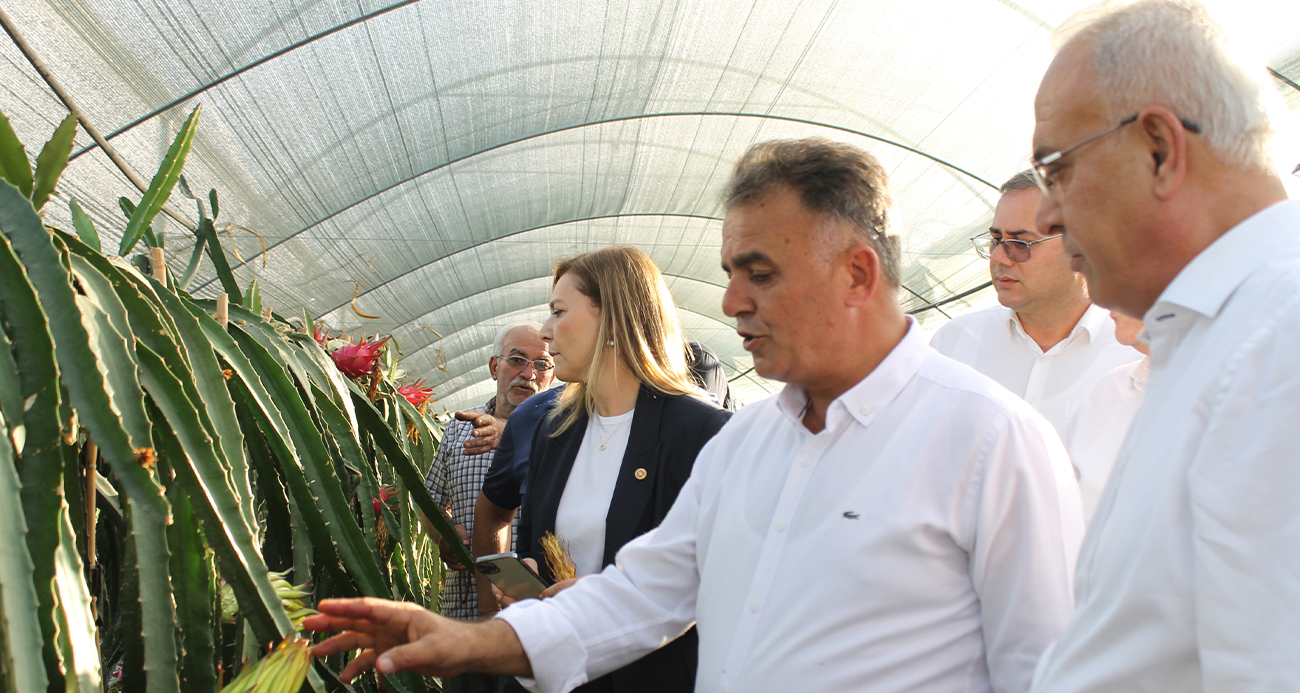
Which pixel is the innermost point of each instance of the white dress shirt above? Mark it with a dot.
(993, 342)
(1189, 579)
(1099, 427)
(923, 541)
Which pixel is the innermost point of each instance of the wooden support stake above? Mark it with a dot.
(158, 265)
(90, 460)
(223, 310)
(90, 493)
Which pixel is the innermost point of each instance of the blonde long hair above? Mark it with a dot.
(639, 315)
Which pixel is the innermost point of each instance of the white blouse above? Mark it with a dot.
(580, 517)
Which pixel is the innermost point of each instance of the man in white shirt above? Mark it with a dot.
(1153, 145)
(1104, 416)
(1046, 342)
(891, 521)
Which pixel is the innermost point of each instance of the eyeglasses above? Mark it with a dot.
(518, 363)
(1017, 251)
(1043, 176)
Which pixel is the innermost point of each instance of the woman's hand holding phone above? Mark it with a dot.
(551, 591)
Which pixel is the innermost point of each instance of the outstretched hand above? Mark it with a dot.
(486, 434)
(397, 636)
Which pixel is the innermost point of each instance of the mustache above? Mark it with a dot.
(525, 382)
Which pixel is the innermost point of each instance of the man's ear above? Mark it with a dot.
(864, 274)
(493, 362)
(1166, 141)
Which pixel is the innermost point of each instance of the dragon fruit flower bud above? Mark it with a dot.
(417, 393)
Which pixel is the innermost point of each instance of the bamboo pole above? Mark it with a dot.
(90, 461)
(90, 492)
(223, 310)
(158, 265)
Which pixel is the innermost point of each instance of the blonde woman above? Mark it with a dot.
(608, 462)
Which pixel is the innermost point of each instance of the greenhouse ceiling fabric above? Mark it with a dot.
(435, 158)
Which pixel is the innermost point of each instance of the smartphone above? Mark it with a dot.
(511, 575)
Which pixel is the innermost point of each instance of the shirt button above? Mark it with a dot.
(780, 526)
(753, 608)
(726, 689)
(805, 461)
(865, 409)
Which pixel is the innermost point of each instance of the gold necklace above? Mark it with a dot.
(611, 435)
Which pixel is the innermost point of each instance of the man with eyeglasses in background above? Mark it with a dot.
(521, 367)
(1046, 342)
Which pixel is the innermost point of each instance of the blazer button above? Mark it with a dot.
(639, 474)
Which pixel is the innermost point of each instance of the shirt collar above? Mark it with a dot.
(1205, 284)
(1091, 323)
(873, 393)
(1140, 374)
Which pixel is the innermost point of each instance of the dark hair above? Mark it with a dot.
(831, 178)
(1021, 181)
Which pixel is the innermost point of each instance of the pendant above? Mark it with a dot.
(602, 448)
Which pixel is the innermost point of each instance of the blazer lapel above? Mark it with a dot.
(636, 476)
(555, 479)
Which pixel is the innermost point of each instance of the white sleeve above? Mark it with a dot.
(1244, 485)
(1029, 527)
(635, 606)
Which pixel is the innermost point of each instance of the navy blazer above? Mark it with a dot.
(667, 433)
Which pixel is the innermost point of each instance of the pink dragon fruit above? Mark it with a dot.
(357, 360)
(385, 492)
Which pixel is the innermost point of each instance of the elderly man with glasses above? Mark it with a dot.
(1046, 341)
(1153, 143)
(521, 367)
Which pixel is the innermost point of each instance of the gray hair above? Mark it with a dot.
(1019, 182)
(838, 180)
(499, 343)
(1171, 53)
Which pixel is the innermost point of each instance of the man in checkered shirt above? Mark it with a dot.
(521, 367)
